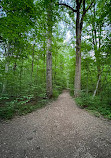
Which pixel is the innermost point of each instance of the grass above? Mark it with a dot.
(95, 105)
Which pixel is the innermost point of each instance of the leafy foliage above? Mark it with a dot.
(96, 105)
(23, 48)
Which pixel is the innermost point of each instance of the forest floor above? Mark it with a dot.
(60, 130)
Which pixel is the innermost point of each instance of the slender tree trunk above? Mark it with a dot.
(6, 68)
(20, 79)
(5, 82)
(77, 83)
(97, 86)
(32, 63)
(49, 54)
(97, 50)
(36, 81)
(87, 87)
(49, 70)
(99, 68)
(44, 60)
(55, 67)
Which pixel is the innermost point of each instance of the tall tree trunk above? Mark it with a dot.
(5, 82)
(97, 85)
(49, 70)
(96, 49)
(99, 68)
(49, 54)
(6, 67)
(55, 67)
(37, 67)
(32, 62)
(44, 59)
(77, 83)
(87, 87)
(79, 25)
(21, 73)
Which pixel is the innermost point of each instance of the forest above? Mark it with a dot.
(49, 46)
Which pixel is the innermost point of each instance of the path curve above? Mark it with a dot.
(60, 130)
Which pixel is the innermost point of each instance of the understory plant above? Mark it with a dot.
(95, 104)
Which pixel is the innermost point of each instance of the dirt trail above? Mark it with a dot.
(60, 130)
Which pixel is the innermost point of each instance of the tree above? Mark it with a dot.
(49, 51)
(98, 20)
(80, 11)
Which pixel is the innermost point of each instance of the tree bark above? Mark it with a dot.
(97, 85)
(6, 67)
(49, 54)
(77, 82)
(96, 48)
(44, 59)
(32, 62)
(79, 25)
(49, 70)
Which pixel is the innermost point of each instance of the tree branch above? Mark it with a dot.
(83, 6)
(85, 11)
(90, 6)
(68, 6)
(80, 2)
(77, 2)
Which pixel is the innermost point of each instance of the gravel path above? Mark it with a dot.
(60, 130)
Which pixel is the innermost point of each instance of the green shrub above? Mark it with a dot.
(7, 112)
(20, 106)
(96, 105)
(55, 93)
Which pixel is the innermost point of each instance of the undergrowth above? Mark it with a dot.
(20, 106)
(23, 105)
(97, 105)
